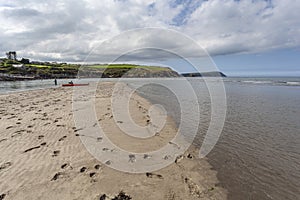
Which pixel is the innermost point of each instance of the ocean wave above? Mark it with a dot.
(293, 83)
(271, 82)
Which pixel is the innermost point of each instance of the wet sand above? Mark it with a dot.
(42, 156)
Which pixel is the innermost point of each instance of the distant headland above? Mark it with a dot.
(12, 69)
(204, 74)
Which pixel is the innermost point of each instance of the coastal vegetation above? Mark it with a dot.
(24, 69)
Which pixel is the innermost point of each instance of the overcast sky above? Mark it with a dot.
(258, 36)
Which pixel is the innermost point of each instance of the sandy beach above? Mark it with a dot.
(42, 156)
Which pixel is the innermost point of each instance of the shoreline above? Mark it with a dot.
(43, 157)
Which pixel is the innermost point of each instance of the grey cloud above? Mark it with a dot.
(149, 44)
(20, 13)
(69, 30)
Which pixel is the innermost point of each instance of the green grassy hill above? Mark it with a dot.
(46, 70)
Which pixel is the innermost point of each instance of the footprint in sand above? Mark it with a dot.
(167, 157)
(11, 117)
(61, 125)
(17, 133)
(92, 174)
(105, 149)
(9, 127)
(97, 166)
(66, 165)
(55, 153)
(2, 140)
(41, 136)
(190, 156)
(174, 144)
(76, 130)
(5, 165)
(132, 158)
(62, 138)
(56, 176)
(30, 149)
(146, 156)
(178, 159)
(82, 169)
(152, 175)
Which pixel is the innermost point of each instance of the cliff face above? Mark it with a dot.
(126, 71)
(139, 73)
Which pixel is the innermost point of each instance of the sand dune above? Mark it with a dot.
(42, 156)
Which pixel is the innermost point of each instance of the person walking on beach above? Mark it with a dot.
(55, 81)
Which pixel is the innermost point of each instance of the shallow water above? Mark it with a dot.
(18, 86)
(258, 153)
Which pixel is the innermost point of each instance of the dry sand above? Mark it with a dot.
(42, 156)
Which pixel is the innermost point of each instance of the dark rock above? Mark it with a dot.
(2, 196)
(122, 196)
(102, 197)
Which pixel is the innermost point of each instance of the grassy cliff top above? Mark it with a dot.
(65, 70)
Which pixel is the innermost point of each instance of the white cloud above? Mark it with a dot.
(68, 30)
(230, 26)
